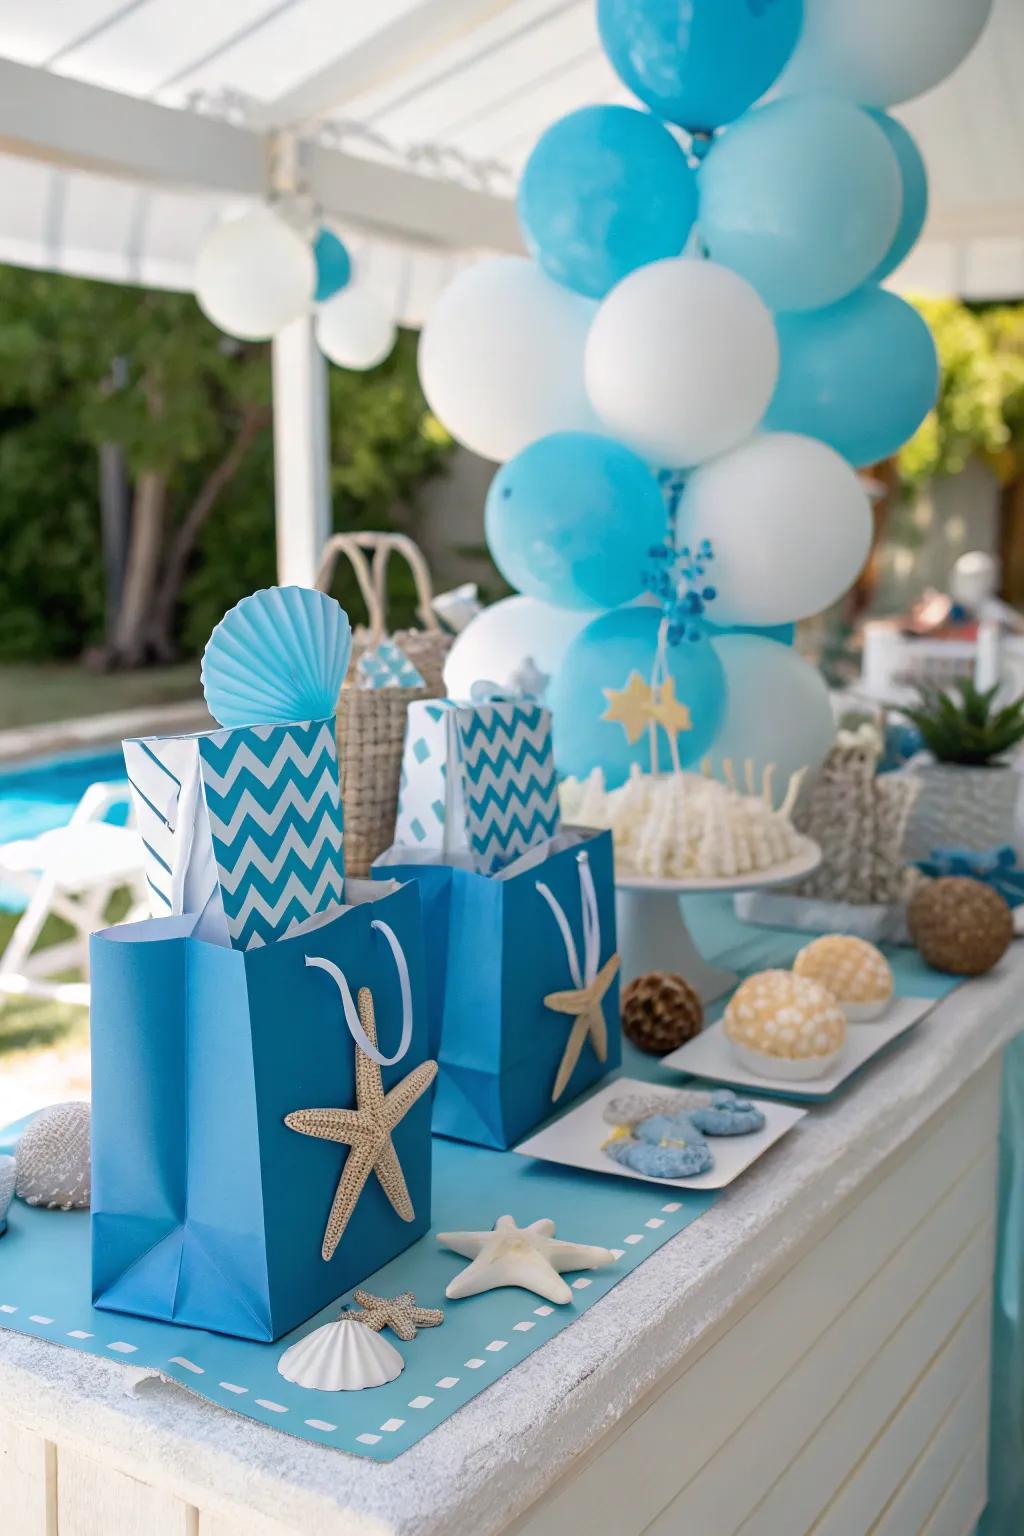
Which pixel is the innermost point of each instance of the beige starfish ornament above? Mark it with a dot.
(583, 1004)
(366, 1131)
(399, 1313)
(630, 707)
(530, 1257)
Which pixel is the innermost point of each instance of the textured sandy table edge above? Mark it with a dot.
(500, 1453)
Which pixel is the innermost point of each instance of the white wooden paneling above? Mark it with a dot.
(719, 1500)
(962, 1503)
(95, 1500)
(904, 1439)
(909, 1220)
(924, 1485)
(27, 1486)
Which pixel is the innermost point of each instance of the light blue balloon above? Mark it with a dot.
(333, 264)
(915, 193)
(604, 656)
(860, 376)
(571, 519)
(802, 198)
(606, 190)
(699, 63)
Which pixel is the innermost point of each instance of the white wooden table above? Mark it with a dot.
(810, 1355)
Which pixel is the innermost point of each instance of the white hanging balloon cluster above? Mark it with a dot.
(257, 272)
(683, 379)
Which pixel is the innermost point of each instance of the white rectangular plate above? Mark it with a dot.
(708, 1055)
(576, 1140)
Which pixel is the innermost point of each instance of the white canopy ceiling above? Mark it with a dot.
(128, 126)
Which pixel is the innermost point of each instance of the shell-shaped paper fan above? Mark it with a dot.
(7, 1175)
(276, 657)
(52, 1158)
(344, 1356)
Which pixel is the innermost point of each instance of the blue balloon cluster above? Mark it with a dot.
(606, 190)
(571, 519)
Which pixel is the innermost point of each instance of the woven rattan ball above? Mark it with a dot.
(660, 1011)
(960, 925)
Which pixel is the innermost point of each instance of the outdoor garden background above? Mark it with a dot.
(137, 505)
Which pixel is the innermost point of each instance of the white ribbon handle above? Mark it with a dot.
(591, 925)
(355, 1028)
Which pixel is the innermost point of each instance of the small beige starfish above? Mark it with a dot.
(366, 1130)
(530, 1257)
(399, 1313)
(584, 1005)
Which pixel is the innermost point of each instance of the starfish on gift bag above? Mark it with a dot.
(529, 1257)
(399, 1313)
(585, 1006)
(366, 1131)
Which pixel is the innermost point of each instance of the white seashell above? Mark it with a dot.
(7, 1176)
(53, 1165)
(344, 1356)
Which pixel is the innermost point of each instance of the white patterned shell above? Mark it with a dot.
(7, 1177)
(344, 1356)
(277, 657)
(53, 1163)
(855, 972)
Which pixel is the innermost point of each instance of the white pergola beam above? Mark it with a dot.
(302, 455)
(395, 48)
(69, 123)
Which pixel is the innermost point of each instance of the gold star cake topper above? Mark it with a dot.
(638, 705)
(366, 1131)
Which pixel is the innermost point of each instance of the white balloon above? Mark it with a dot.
(354, 329)
(880, 52)
(495, 644)
(682, 360)
(253, 275)
(789, 524)
(777, 707)
(501, 357)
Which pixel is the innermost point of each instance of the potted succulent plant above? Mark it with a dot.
(969, 788)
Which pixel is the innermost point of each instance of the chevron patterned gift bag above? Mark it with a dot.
(478, 780)
(242, 827)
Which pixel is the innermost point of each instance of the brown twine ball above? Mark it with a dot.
(960, 925)
(660, 1011)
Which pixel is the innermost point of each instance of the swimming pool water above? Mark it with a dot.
(36, 796)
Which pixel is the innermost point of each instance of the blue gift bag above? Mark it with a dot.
(207, 1208)
(512, 959)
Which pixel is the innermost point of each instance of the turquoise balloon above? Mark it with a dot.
(782, 634)
(606, 190)
(915, 193)
(604, 656)
(333, 265)
(571, 519)
(802, 197)
(860, 376)
(699, 63)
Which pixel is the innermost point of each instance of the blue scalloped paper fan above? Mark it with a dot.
(277, 657)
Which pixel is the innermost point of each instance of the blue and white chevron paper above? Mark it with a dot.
(243, 826)
(387, 666)
(477, 780)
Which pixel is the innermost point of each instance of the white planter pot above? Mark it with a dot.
(961, 808)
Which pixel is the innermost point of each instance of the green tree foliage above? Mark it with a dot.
(980, 409)
(193, 422)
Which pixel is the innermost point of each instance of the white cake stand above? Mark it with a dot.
(652, 930)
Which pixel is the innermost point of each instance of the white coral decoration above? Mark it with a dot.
(682, 826)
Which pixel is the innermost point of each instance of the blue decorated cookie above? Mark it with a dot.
(671, 1161)
(727, 1115)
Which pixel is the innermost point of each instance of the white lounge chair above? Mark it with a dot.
(72, 872)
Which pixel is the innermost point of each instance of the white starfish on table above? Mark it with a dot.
(530, 1257)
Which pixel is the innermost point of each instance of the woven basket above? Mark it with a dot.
(371, 721)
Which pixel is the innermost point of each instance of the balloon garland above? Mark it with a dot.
(257, 272)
